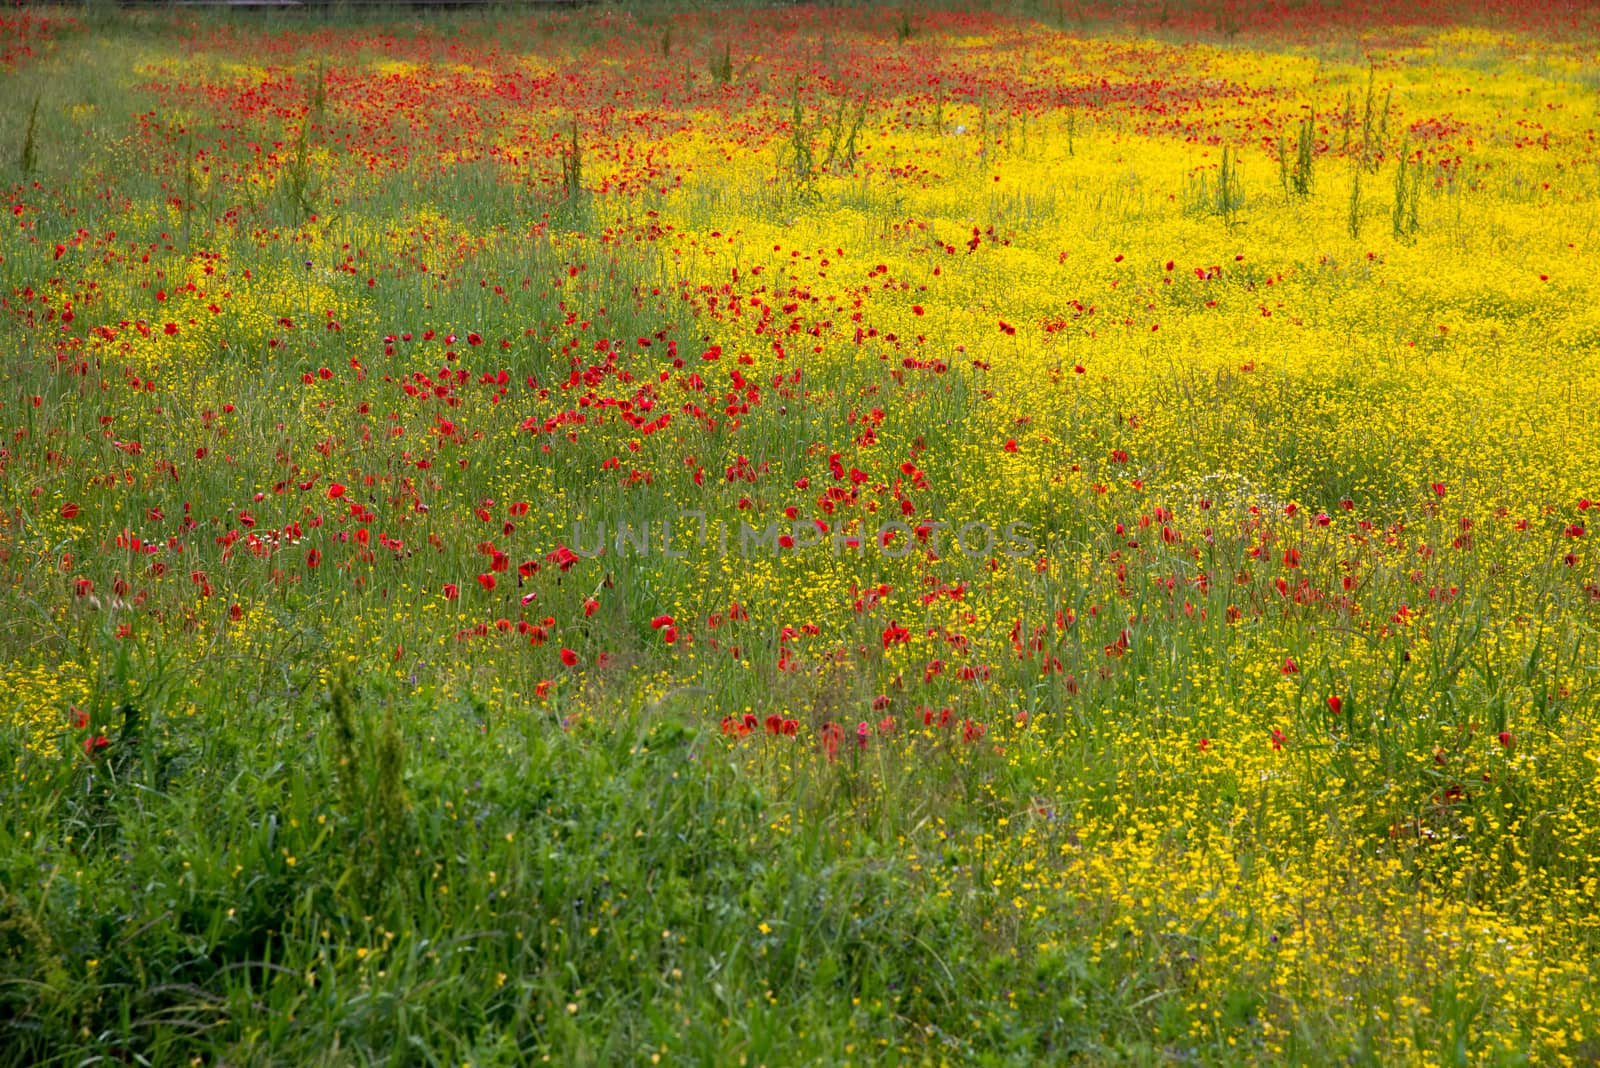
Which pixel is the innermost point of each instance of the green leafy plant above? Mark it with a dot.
(1407, 193)
(722, 65)
(572, 164)
(1297, 176)
(28, 158)
(1220, 197)
(369, 770)
(1353, 217)
(1228, 195)
(843, 133)
(801, 161)
(300, 185)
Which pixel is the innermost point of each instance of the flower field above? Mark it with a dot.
(628, 534)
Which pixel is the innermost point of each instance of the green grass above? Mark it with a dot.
(480, 886)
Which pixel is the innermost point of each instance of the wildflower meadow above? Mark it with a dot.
(661, 533)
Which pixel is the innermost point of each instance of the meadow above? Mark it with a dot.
(1048, 533)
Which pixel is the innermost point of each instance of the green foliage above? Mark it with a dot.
(801, 163)
(34, 981)
(28, 157)
(1221, 197)
(299, 185)
(1353, 215)
(721, 64)
(843, 133)
(369, 772)
(572, 165)
(826, 145)
(1367, 139)
(1297, 178)
(583, 890)
(1407, 192)
(1228, 196)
